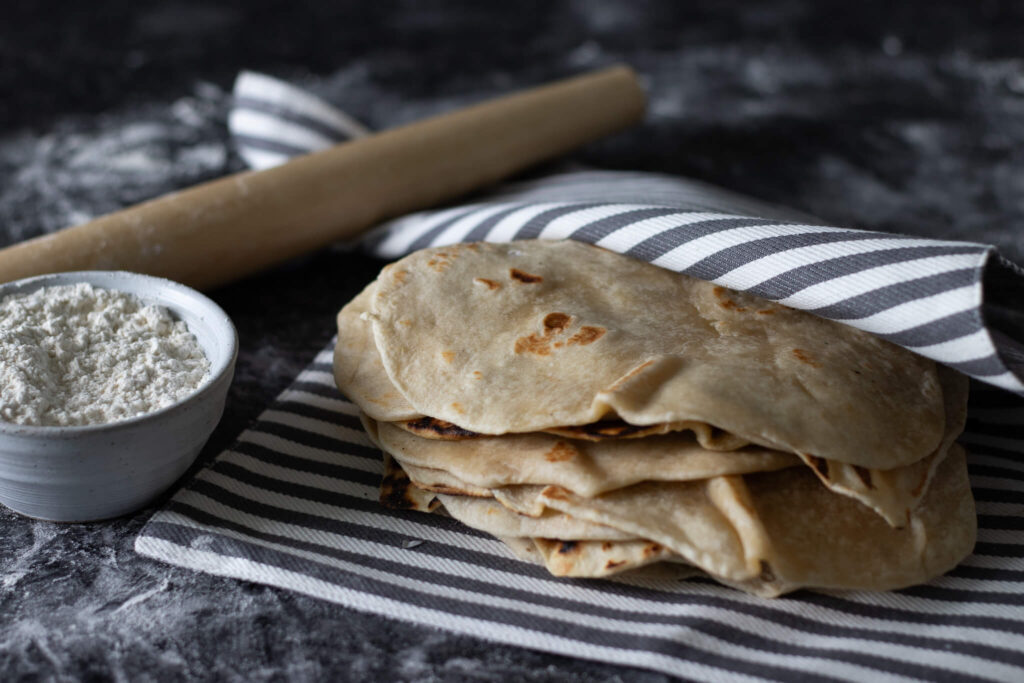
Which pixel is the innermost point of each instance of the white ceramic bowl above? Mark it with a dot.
(80, 474)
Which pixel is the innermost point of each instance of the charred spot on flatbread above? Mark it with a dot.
(556, 322)
(490, 284)
(561, 452)
(399, 493)
(432, 428)
(524, 277)
(605, 429)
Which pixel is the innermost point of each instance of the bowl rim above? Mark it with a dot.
(216, 376)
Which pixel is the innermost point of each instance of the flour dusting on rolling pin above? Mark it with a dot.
(76, 355)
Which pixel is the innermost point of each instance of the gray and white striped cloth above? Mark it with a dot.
(927, 295)
(293, 502)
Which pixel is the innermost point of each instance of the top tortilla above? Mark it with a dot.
(359, 373)
(522, 337)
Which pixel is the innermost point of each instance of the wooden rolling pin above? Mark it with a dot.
(222, 230)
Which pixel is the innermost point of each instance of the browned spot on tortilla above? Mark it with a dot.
(440, 261)
(448, 356)
(819, 464)
(400, 275)
(766, 311)
(606, 546)
(527, 278)
(651, 549)
(556, 322)
(561, 452)
(731, 305)
(612, 564)
(431, 427)
(566, 547)
(477, 374)
(405, 322)
(803, 357)
(556, 492)
(725, 302)
(533, 343)
(865, 475)
(491, 284)
(586, 335)
(605, 429)
(457, 407)
(554, 325)
(767, 575)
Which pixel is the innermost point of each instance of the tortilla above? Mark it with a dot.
(359, 373)
(709, 523)
(525, 500)
(766, 533)
(595, 559)
(827, 541)
(495, 462)
(894, 493)
(584, 467)
(588, 469)
(489, 516)
(774, 532)
(629, 562)
(634, 562)
(440, 481)
(708, 437)
(543, 392)
(358, 370)
(398, 492)
(500, 338)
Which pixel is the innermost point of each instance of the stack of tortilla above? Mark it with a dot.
(599, 414)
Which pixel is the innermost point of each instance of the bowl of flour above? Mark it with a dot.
(110, 384)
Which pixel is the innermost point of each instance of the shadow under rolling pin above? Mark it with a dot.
(223, 230)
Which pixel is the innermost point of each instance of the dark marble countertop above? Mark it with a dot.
(894, 116)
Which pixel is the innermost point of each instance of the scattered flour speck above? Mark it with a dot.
(77, 355)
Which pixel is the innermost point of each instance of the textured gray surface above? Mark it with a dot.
(904, 117)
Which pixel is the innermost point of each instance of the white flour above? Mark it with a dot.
(77, 355)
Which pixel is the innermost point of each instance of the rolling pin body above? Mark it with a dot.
(222, 230)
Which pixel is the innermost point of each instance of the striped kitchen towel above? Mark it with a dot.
(958, 303)
(293, 503)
